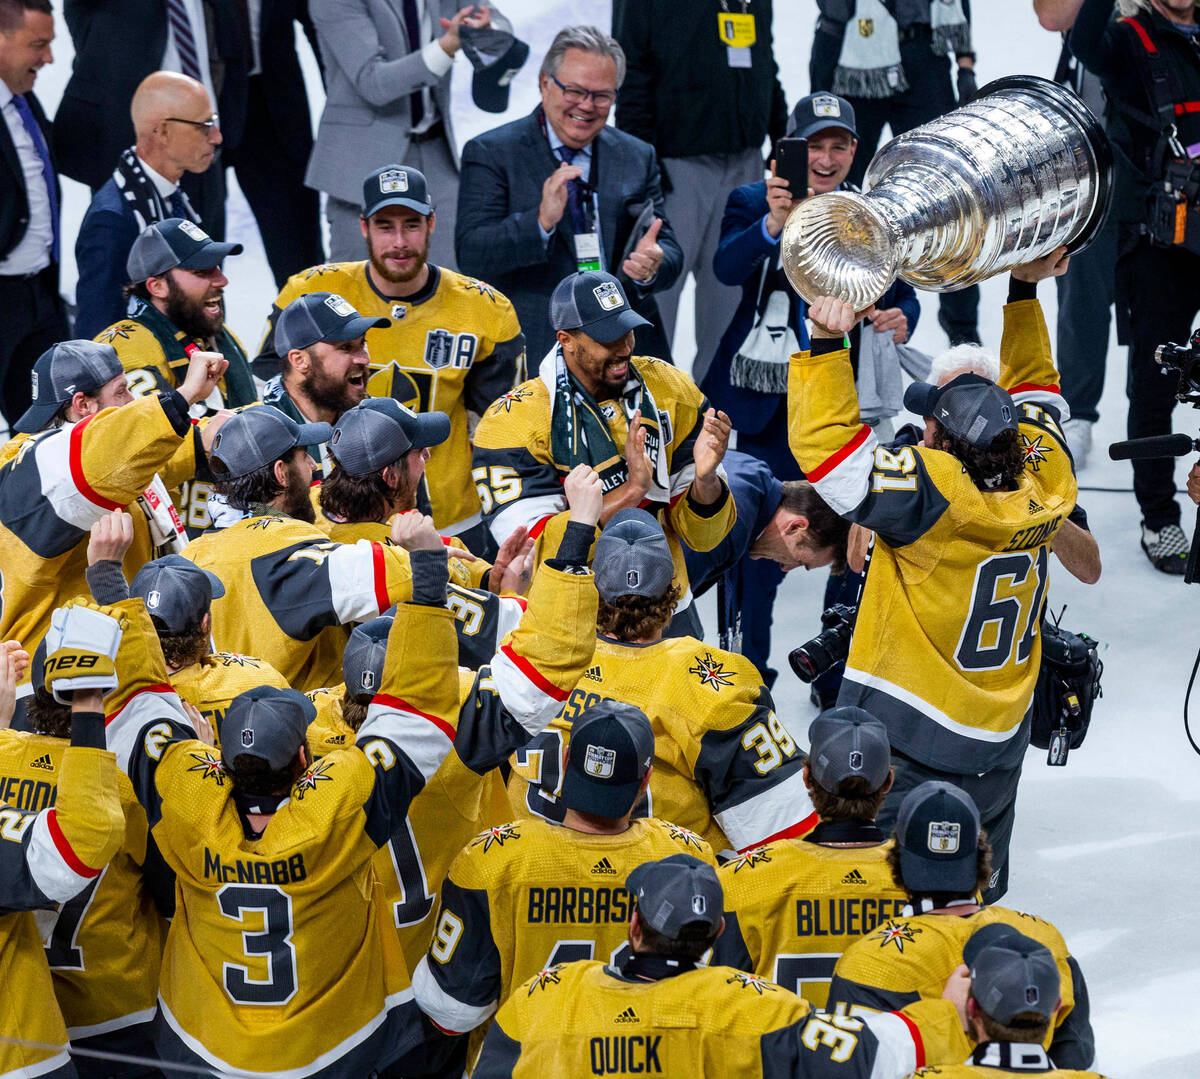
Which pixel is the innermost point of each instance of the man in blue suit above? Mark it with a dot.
(561, 191)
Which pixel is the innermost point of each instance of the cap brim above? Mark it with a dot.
(433, 428)
(423, 208)
(214, 583)
(610, 800)
(210, 255)
(614, 326)
(920, 397)
(356, 327)
(487, 90)
(34, 418)
(824, 125)
(313, 434)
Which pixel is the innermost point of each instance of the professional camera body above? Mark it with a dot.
(1186, 360)
(829, 647)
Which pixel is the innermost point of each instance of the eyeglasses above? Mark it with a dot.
(575, 95)
(207, 125)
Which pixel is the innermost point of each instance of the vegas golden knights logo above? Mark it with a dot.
(866, 27)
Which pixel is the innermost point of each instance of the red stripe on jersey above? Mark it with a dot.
(158, 687)
(915, 1031)
(1187, 106)
(380, 566)
(521, 601)
(794, 831)
(831, 462)
(75, 458)
(534, 675)
(1140, 30)
(402, 705)
(539, 527)
(64, 848)
(1031, 387)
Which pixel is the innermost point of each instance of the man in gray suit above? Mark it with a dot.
(562, 191)
(387, 99)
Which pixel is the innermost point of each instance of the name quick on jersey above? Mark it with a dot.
(842, 917)
(579, 906)
(635, 1054)
(244, 871)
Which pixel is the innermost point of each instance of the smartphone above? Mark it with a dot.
(791, 164)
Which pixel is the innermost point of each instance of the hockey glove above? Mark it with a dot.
(966, 84)
(81, 650)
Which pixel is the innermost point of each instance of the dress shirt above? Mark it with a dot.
(33, 252)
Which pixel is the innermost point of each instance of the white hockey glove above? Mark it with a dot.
(81, 650)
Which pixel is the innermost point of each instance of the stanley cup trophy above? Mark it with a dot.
(1022, 169)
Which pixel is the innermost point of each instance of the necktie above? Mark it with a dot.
(39, 144)
(412, 24)
(185, 40)
(574, 192)
(178, 206)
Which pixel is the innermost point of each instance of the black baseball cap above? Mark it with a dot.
(258, 436)
(378, 431)
(396, 185)
(847, 742)
(819, 112)
(497, 55)
(937, 831)
(676, 892)
(611, 750)
(362, 662)
(595, 303)
(633, 557)
(321, 316)
(63, 370)
(267, 723)
(174, 242)
(176, 591)
(970, 406)
(1012, 974)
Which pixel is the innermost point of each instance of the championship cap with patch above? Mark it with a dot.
(819, 112)
(1012, 975)
(63, 370)
(321, 316)
(497, 55)
(396, 185)
(174, 242)
(378, 431)
(176, 591)
(970, 406)
(633, 557)
(611, 749)
(937, 831)
(362, 662)
(267, 723)
(595, 303)
(259, 436)
(848, 742)
(678, 896)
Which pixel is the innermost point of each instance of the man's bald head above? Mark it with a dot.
(171, 114)
(166, 93)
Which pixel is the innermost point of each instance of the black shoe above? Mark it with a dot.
(1167, 549)
(959, 335)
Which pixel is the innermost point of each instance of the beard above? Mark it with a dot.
(188, 315)
(326, 391)
(380, 267)
(296, 502)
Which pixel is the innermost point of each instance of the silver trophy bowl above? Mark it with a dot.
(1022, 169)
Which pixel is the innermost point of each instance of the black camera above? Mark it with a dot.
(1186, 360)
(829, 647)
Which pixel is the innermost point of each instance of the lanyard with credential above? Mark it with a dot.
(589, 248)
(736, 30)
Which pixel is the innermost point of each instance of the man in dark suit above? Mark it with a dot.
(559, 191)
(33, 318)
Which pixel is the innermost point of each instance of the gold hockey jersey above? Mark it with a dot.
(725, 766)
(49, 857)
(212, 682)
(526, 895)
(910, 958)
(103, 945)
(996, 1060)
(946, 648)
(462, 573)
(793, 907)
(456, 345)
(589, 1019)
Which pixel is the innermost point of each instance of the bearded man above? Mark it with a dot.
(453, 344)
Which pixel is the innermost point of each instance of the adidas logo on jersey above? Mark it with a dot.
(593, 674)
(43, 762)
(854, 877)
(604, 867)
(1034, 507)
(627, 1016)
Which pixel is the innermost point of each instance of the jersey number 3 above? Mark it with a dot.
(1007, 599)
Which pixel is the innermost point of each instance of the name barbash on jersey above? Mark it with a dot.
(581, 906)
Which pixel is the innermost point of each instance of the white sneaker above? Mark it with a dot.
(1079, 440)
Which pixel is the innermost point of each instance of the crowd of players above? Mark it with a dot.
(358, 719)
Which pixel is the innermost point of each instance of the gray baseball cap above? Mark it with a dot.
(377, 432)
(396, 185)
(633, 557)
(678, 892)
(1012, 974)
(258, 436)
(595, 303)
(847, 742)
(267, 723)
(937, 831)
(362, 662)
(321, 316)
(970, 406)
(496, 54)
(611, 749)
(176, 591)
(174, 242)
(63, 370)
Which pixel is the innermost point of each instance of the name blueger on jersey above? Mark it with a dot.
(842, 917)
